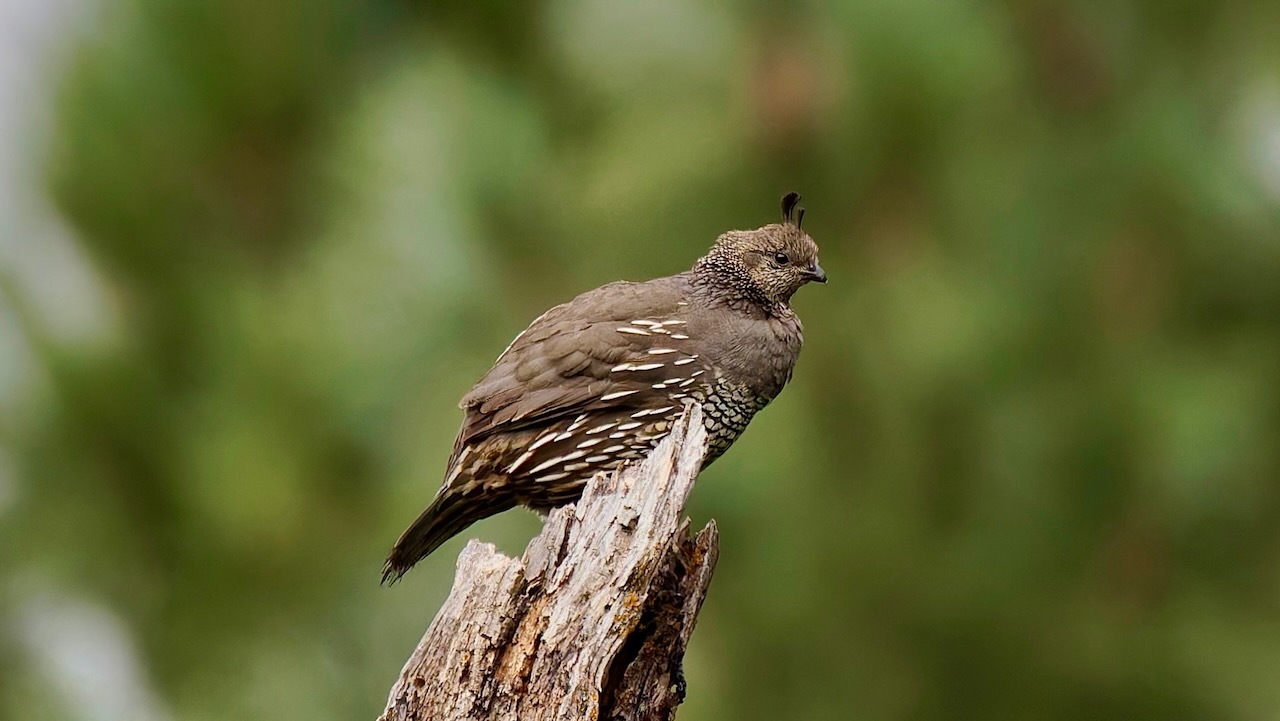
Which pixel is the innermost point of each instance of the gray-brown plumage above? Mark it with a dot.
(598, 381)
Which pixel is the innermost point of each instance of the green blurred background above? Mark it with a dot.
(1028, 467)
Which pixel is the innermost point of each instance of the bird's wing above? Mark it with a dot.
(586, 355)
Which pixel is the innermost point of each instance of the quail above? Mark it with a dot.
(597, 382)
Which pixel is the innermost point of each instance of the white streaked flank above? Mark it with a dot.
(546, 464)
(635, 367)
(557, 461)
(519, 461)
(544, 440)
(651, 412)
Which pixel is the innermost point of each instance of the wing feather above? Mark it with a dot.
(573, 356)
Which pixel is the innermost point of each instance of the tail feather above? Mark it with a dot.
(448, 515)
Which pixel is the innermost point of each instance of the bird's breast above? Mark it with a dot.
(727, 407)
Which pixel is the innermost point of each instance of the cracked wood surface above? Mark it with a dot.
(591, 623)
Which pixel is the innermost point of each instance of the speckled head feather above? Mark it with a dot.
(765, 266)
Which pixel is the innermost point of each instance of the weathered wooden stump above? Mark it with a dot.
(591, 623)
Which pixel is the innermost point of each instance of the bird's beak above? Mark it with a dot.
(816, 273)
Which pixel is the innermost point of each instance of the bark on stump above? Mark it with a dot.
(591, 623)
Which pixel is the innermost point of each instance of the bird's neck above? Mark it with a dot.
(729, 286)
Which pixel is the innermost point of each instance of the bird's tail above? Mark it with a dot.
(447, 516)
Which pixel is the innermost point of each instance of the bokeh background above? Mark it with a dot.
(252, 253)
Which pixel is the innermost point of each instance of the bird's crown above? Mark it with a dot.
(766, 265)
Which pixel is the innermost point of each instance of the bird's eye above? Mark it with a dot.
(781, 258)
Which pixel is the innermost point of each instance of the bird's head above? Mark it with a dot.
(768, 264)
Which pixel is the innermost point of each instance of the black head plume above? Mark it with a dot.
(790, 213)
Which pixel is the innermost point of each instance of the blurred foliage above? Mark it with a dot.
(1028, 466)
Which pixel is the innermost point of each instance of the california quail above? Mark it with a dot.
(598, 381)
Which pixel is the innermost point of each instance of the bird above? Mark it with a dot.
(598, 382)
